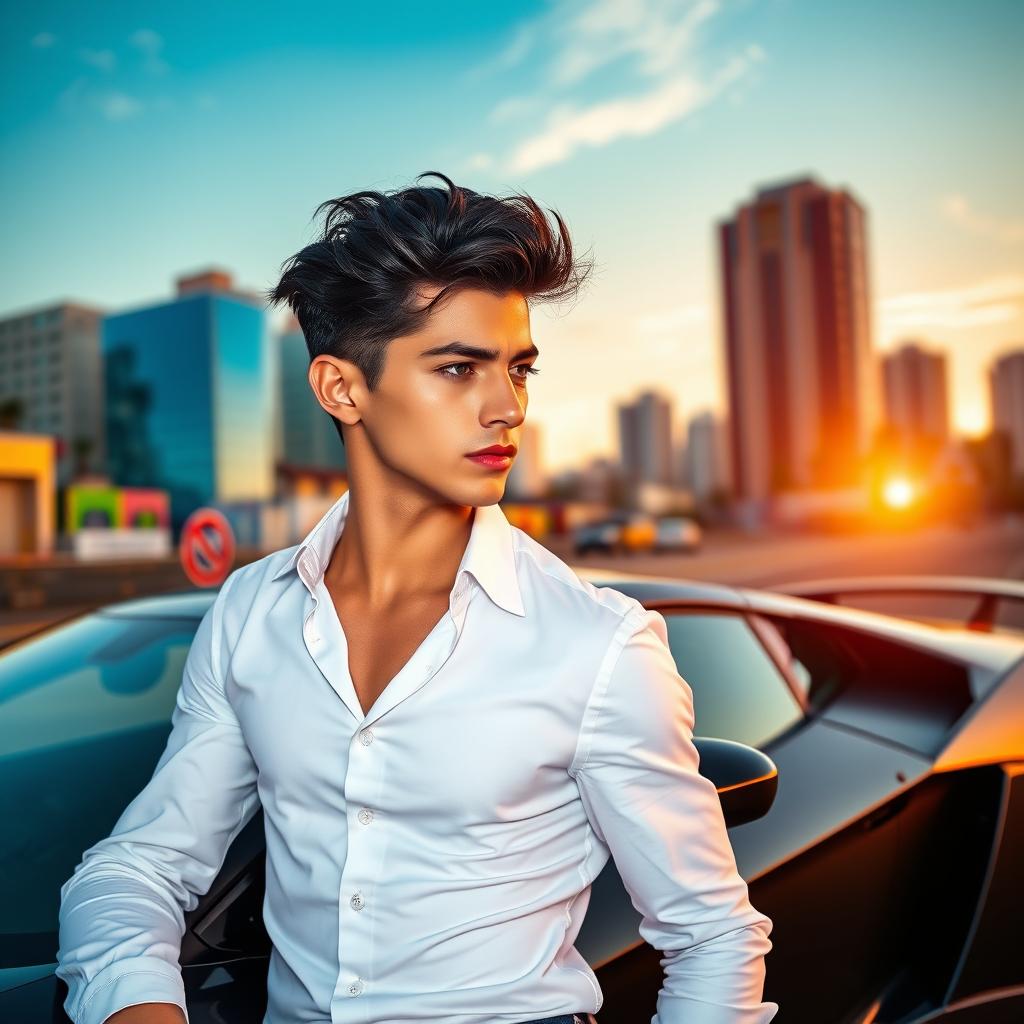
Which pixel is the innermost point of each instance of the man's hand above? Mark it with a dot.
(148, 1013)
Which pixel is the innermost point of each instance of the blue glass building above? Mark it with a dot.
(191, 388)
(309, 437)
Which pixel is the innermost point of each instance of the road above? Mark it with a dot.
(989, 549)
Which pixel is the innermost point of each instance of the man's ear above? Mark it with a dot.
(338, 385)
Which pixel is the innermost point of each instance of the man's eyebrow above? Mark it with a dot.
(487, 355)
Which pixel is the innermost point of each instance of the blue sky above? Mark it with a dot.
(143, 141)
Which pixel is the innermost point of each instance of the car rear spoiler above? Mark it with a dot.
(991, 593)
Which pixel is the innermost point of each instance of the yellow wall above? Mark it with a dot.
(31, 458)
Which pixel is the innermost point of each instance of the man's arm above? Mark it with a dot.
(122, 910)
(637, 771)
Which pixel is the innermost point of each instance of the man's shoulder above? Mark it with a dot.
(550, 575)
(242, 583)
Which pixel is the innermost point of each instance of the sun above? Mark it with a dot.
(898, 492)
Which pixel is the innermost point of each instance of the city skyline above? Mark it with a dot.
(645, 125)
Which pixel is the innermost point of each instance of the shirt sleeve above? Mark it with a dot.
(122, 910)
(637, 771)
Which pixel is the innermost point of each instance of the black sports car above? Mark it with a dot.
(887, 847)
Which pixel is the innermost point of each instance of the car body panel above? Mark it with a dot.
(992, 730)
(895, 865)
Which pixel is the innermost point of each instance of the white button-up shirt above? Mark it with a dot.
(432, 858)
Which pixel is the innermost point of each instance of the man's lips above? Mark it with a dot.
(496, 457)
(496, 449)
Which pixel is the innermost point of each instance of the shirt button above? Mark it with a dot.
(356, 987)
(366, 815)
(366, 737)
(357, 902)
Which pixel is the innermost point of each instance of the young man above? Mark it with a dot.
(448, 730)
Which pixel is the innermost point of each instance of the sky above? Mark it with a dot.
(140, 142)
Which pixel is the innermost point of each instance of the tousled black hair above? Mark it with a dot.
(353, 289)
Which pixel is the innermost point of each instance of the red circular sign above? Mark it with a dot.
(207, 547)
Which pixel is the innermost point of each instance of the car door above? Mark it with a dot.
(739, 694)
(745, 688)
(832, 863)
(85, 711)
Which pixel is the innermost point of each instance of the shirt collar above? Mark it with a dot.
(489, 557)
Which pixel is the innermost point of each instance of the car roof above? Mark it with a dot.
(183, 604)
(993, 650)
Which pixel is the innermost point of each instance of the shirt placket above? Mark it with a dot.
(367, 811)
(367, 837)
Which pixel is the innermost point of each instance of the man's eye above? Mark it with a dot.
(444, 370)
(452, 370)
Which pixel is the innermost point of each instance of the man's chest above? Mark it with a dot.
(380, 643)
(479, 724)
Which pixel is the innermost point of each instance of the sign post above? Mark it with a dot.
(207, 547)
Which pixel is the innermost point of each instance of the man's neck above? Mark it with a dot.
(394, 547)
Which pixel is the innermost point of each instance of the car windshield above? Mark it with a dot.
(85, 711)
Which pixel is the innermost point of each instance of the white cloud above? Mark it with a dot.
(115, 104)
(997, 300)
(480, 161)
(519, 46)
(657, 38)
(513, 107)
(657, 33)
(586, 35)
(570, 128)
(118, 106)
(958, 209)
(150, 44)
(104, 60)
(112, 104)
(44, 40)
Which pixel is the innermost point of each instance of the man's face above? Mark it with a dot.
(432, 409)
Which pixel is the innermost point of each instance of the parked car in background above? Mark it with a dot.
(604, 535)
(678, 533)
(639, 532)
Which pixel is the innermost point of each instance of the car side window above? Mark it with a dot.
(738, 691)
(909, 695)
(817, 659)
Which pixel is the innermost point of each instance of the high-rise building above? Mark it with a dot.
(598, 481)
(645, 440)
(802, 384)
(1006, 383)
(526, 478)
(190, 394)
(307, 437)
(707, 455)
(50, 365)
(916, 392)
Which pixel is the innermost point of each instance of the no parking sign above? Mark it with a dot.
(207, 547)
